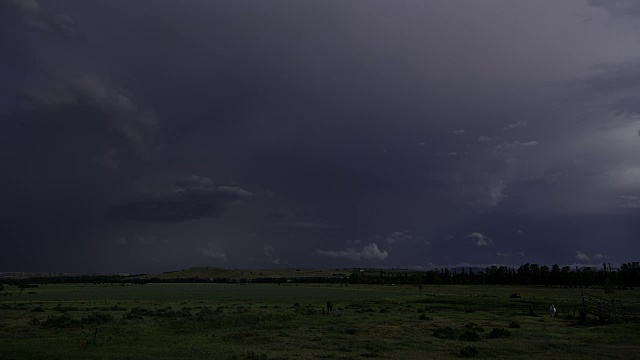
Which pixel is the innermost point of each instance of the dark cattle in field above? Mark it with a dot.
(515, 296)
(329, 306)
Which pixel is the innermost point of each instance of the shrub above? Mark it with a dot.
(64, 309)
(255, 356)
(369, 355)
(184, 312)
(499, 333)
(469, 336)
(165, 312)
(445, 333)
(351, 330)
(469, 351)
(97, 318)
(60, 321)
(474, 327)
(137, 313)
(249, 356)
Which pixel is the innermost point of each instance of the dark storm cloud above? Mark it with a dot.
(630, 8)
(31, 15)
(137, 125)
(615, 87)
(281, 214)
(305, 225)
(193, 198)
(412, 125)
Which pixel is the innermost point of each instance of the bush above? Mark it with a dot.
(64, 309)
(351, 330)
(474, 327)
(469, 336)
(165, 312)
(206, 314)
(499, 333)
(469, 351)
(137, 313)
(60, 321)
(514, 325)
(255, 356)
(97, 318)
(445, 333)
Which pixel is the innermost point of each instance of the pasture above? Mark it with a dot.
(290, 321)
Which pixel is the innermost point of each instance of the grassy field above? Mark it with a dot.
(254, 321)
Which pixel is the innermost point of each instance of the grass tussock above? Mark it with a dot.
(446, 333)
(469, 336)
(469, 352)
(60, 322)
(474, 327)
(498, 333)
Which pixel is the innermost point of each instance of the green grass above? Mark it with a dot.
(259, 321)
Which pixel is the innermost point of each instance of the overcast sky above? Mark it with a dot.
(142, 136)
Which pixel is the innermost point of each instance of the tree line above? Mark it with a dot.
(627, 276)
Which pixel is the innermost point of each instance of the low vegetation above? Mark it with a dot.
(304, 321)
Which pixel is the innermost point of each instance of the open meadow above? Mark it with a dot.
(291, 321)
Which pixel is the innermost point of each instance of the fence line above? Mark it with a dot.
(602, 308)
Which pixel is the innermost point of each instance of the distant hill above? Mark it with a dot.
(218, 273)
(250, 274)
(27, 275)
(459, 269)
(213, 272)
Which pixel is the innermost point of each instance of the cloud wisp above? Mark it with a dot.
(270, 253)
(398, 236)
(515, 125)
(517, 144)
(212, 251)
(479, 239)
(581, 256)
(368, 252)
